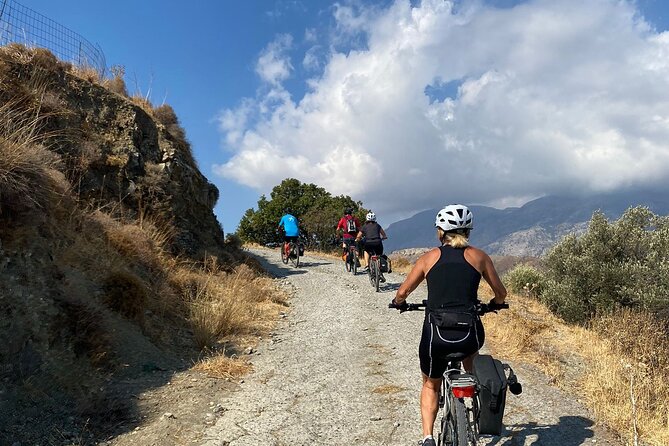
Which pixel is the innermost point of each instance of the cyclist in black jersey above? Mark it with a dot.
(453, 272)
(373, 235)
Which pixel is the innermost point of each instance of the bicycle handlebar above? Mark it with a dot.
(481, 308)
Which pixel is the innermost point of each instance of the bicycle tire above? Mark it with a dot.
(295, 255)
(377, 275)
(370, 271)
(461, 423)
(354, 266)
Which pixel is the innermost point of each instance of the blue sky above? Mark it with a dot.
(402, 104)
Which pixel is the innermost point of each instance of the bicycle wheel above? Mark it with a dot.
(354, 265)
(347, 263)
(377, 274)
(461, 427)
(370, 271)
(295, 255)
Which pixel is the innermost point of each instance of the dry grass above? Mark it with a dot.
(222, 366)
(401, 264)
(223, 304)
(601, 362)
(28, 178)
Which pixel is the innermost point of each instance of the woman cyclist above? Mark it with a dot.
(453, 272)
(374, 236)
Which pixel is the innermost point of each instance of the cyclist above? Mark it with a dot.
(374, 236)
(349, 225)
(290, 229)
(453, 272)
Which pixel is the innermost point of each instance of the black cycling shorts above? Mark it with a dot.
(436, 343)
(374, 248)
(290, 238)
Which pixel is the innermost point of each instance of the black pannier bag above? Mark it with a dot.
(384, 261)
(300, 249)
(492, 395)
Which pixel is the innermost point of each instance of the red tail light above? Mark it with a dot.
(464, 392)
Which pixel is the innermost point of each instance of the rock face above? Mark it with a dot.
(117, 154)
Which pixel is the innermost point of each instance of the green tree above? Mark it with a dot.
(317, 210)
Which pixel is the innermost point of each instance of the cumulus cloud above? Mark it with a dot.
(274, 65)
(549, 96)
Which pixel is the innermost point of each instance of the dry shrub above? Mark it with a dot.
(142, 102)
(143, 245)
(222, 367)
(116, 84)
(87, 73)
(401, 264)
(635, 352)
(125, 293)
(597, 363)
(41, 58)
(165, 115)
(27, 175)
(222, 304)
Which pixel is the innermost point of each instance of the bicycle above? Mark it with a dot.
(293, 253)
(352, 260)
(459, 395)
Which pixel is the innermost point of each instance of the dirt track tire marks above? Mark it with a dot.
(343, 370)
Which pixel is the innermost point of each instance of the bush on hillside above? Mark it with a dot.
(525, 279)
(613, 265)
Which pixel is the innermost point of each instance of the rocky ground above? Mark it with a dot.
(339, 369)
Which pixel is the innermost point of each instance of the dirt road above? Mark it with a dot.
(342, 369)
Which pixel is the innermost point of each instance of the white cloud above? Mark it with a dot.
(553, 96)
(274, 63)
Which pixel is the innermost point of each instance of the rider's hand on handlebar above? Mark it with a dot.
(404, 306)
(493, 306)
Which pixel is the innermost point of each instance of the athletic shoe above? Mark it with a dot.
(382, 279)
(429, 442)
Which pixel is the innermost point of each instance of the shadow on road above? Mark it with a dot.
(571, 430)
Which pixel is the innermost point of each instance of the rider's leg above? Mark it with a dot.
(429, 403)
(367, 259)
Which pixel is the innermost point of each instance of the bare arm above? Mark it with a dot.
(412, 281)
(490, 275)
(417, 274)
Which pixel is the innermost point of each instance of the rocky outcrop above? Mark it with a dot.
(118, 155)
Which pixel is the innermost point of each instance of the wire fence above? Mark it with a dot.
(21, 24)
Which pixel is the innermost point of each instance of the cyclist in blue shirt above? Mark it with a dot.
(290, 229)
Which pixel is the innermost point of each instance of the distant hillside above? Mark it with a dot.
(529, 230)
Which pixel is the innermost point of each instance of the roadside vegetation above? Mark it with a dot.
(608, 291)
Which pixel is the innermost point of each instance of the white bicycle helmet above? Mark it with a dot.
(371, 216)
(454, 217)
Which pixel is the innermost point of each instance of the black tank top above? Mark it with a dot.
(452, 282)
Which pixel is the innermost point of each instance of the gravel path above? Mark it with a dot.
(342, 369)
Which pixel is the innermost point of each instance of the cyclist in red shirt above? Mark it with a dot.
(350, 225)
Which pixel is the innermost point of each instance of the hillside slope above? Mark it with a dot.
(112, 263)
(529, 230)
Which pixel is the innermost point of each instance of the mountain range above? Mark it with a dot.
(529, 230)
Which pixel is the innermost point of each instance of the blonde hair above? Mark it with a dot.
(453, 239)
